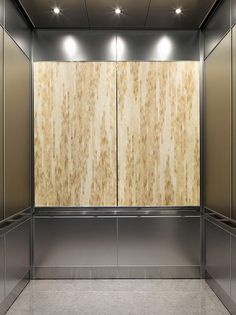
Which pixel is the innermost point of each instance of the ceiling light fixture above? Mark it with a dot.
(118, 11)
(178, 11)
(56, 10)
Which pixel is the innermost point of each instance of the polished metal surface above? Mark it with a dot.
(2, 269)
(117, 247)
(17, 27)
(159, 241)
(55, 45)
(217, 26)
(75, 242)
(159, 14)
(218, 255)
(233, 268)
(1, 128)
(2, 12)
(116, 211)
(17, 129)
(234, 122)
(233, 12)
(217, 132)
(17, 255)
(157, 45)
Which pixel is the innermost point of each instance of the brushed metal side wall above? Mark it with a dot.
(17, 129)
(233, 268)
(233, 12)
(217, 131)
(159, 241)
(17, 255)
(18, 28)
(234, 122)
(2, 269)
(218, 255)
(1, 127)
(2, 11)
(61, 242)
(217, 26)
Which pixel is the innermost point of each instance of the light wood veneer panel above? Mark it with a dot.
(75, 133)
(159, 136)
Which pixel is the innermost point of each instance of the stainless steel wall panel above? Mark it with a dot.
(159, 241)
(17, 129)
(233, 268)
(61, 242)
(157, 45)
(234, 122)
(218, 255)
(68, 45)
(17, 27)
(17, 255)
(233, 12)
(1, 128)
(217, 26)
(217, 130)
(2, 12)
(2, 269)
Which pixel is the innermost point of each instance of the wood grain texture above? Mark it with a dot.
(159, 154)
(75, 133)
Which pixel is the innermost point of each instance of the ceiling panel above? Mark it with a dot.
(140, 14)
(101, 13)
(162, 13)
(73, 13)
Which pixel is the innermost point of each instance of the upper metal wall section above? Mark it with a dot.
(219, 24)
(16, 25)
(75, 45)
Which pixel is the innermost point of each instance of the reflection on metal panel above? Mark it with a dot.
(233, 268)
(218, 255)
(157, 45)
(233, 12)
(64, 45)
(17, 132)
(159, 241)
(2, 269)
(2, 5)
(234, 121)
(1, 125)
(17, 255)
(75, 242)
(17, 27)
(52, 45)
(217, 27)
(217, 165)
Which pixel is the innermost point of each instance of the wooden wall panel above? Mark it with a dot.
(158, 134)
(75, 133)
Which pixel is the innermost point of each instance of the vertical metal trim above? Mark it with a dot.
(117, 128)
(32, 159)
(202, 152)
(231, 116)
(4, 130)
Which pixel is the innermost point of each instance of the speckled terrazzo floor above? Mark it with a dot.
(117, 297)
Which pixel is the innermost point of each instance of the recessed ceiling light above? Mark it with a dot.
(56, 10)
(178, 11)
(117, 11)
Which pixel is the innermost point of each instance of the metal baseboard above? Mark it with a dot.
(10, 299)
(222, 295)
(121, 272)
